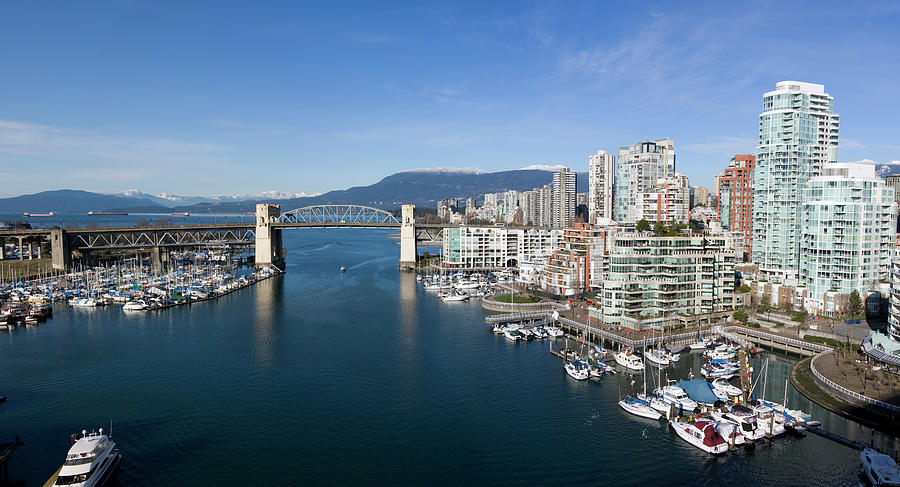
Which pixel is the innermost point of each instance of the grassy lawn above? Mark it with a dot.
(507, 298)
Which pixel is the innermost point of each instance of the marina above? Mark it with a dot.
(434, 375)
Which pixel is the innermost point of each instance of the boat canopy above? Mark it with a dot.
(699, 390)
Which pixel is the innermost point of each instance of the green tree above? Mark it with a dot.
(855, 303)
(642, 225)
(659, 228)
(744, 288)
(741, 315)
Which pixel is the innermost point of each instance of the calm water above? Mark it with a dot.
(323, 378)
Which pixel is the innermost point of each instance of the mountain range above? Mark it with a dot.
(422, 187)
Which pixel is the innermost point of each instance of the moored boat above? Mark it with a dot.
(629, 360)
(90, 461)
(639, 407)
(702, 434)
(881, 469)
(577, 370)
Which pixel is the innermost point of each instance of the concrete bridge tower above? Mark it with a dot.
(269, 249)
(408, 249)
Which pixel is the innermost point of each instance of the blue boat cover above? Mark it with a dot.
(698, 390)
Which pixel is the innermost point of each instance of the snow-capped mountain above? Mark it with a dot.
(449, 170)
(173, 200)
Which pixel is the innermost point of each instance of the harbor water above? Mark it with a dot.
(319, 377)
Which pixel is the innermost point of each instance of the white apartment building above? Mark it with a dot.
(638, 168)
(669, 201)
(497, 246)
(848, 223)
(563, 199)
(798, 134)
(601, 176)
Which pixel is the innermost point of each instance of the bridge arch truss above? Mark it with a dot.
(338, 214)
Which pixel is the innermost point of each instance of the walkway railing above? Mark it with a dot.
(524, 316)
(847, 392)
(802, 344)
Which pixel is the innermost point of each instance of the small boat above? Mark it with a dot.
(86, 303)
(657, 357)
(881, 469)
(639, 407)
(343, 269)
(743, 417)
(554, 331)
(672, 394)
(731, 432)
(714, 370)
(455, 296)
(577, 370)
(90, 461)
(138, 305)
(724, 386)
(513, 335)
(699, 345)
(629, 360)
(702, 434)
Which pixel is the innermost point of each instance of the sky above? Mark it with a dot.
(222, 97)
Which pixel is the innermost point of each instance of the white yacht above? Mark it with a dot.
(701, 434)
(639, 407)
(90, 462)
(554, 331)
(657, 357)
(577, 370)
(881, 469)
(86, 303)
(743, 417)
(700, 344)
(513, 335)
(673, 394)
(724, 386)
(138, 305)
(455, 296)
(629, 360)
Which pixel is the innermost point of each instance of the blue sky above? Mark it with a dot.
(221, 97)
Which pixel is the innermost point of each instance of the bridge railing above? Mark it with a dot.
(338, 214)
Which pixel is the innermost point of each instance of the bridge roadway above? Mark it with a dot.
(265, 232)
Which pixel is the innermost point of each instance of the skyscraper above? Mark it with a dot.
(601, 175)
(736, 198)
(638, 168)
(798, 134)
(563, 199)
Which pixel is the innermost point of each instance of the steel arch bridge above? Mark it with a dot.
(339, 214)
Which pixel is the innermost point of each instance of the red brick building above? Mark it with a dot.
(736, 198)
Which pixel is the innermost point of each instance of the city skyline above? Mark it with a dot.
(117, 97)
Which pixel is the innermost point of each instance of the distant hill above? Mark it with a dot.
(70, 201)
(420, 187)
(423, 188)
(885, 170)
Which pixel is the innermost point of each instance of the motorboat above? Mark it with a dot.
(722, 352)
(881, 469)
(90, 461)
(343, 269)
(724, 386)
(629, 360)
(702, 434)
(540, 333)
(455, 296)
(672, 394)
(714, 370)
(658, 357)
(513, 335)
(766, 420)
(639, 407)
(138, 305)
(554, 331)
(577, 370)
(86, 303)
(699, 344)
(743, 417)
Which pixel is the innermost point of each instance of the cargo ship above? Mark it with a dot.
(104, 213)
(26, 214)
(180, 214)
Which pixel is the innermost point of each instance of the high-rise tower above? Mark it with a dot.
(601, 174)
(798, 134)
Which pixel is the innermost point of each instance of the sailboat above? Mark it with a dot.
(639, 406)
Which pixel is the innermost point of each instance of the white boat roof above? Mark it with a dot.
(85, 445)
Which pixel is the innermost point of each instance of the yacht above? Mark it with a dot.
(881, 469)
(699, 345)
(86, 303)
(554, 331)
(455, 296)
(639, 407)
(513, 335)
(766, 420)
(743, 417)
(138, 305)
(657, 357)
(724, 386)
(731, 432)
(90, 462)
(629, 360)
(577, 370)
(673, 394)
(701, 434)
(714, 370)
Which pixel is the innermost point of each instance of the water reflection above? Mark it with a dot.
(267, 304)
